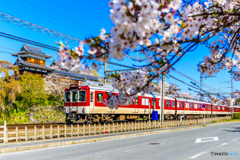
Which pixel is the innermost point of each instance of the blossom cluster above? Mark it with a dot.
(128, 83)
(163, 31)
(228, 102)
(213, 100)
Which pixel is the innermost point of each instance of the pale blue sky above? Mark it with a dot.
(81, 19)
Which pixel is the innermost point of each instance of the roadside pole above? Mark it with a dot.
(149, 112)
(105, 74)
(204, 115)
(162, 104)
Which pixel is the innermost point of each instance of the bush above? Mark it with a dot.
(236, 116)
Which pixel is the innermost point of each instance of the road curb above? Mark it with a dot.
(92, 140)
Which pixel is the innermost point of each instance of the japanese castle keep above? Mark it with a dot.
(33, 60)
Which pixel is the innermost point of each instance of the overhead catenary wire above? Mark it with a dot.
(37, 28)
(6, 35)
(195, 80)
(72, 12)
(68, 18)
(192, 85)
(62, 23)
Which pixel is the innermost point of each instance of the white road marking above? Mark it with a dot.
(222, 144)
(197, 155)
(127, 150)
(235, 139)
(207, 139)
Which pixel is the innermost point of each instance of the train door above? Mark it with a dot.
(211, 110)
(154, 106)
(136, 106)
(92, 101)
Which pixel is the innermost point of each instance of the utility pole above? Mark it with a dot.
(232, 86)
(105, 73)
(232, 90)
(201, 81)
(201, 84)
(162, 104)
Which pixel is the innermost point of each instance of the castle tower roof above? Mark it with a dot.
(33, 52)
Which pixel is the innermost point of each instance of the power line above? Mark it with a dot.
(6, 35)
(195, 80)
(191, 85)
(60, 15)
(186, 66)
(37, 28)
(72, 12)
(47, 15)
(28, 41)
(22, 23)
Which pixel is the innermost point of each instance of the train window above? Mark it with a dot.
(191, 105)
(173, 103)
(218, 108)
(145, 101)
(223, 108)
(182, 104)
(213, 107)
(209, 107)
(74, 96)
(187, 105)
(153, 102)
(82, 96)
(177, 104)
(67, 96)
(135, 101)
(195, 106)
(168, 103)
(100, 97)
(199, 106)
(91, 96)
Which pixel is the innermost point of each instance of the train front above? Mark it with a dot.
(76, 103)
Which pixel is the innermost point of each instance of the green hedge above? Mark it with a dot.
(236, 116)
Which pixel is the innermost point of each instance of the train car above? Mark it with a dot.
(85, 103)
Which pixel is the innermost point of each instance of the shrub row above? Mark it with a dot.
(236, 116)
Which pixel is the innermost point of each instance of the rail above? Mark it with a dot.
(17, 133)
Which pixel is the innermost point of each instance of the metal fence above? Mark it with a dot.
(32, 132)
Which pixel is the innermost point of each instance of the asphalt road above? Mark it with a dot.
(198, 143)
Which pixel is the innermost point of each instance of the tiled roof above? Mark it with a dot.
(34, 65)
(76, 75)
(31, 50)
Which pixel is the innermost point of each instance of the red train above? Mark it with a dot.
(85, 103)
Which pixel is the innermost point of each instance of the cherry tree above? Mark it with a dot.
(163, 31)
(55, 84)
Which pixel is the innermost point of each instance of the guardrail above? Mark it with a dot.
(11, 133)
